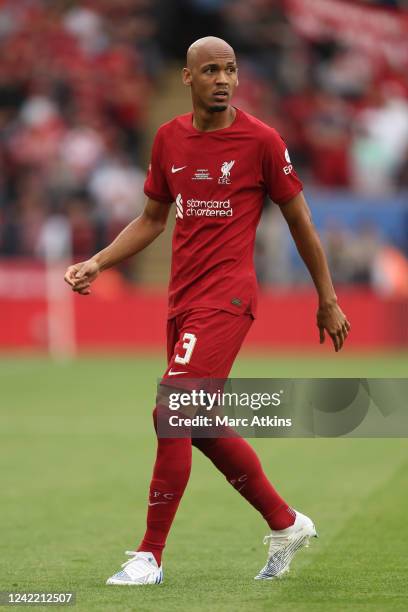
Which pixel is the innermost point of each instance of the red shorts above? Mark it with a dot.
(203, 343)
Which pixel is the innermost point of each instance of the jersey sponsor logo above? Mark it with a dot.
(209, 208)
(287, 169)
(202, 174)
(179, 207)
(203, 208)
(224, 179)
(174, 170)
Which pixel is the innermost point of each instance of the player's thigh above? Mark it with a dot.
(208, 342)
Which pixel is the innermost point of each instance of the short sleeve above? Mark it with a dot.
(156, 186)
(279, 176)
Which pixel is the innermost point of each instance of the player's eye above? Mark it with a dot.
(212, 69)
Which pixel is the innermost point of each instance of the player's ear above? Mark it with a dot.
(186, 77)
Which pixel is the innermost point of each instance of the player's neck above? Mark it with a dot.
(208, 122)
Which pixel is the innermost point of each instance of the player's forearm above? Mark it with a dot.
(133, 238)
(311, 251)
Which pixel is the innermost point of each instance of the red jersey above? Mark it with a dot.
(218, 181)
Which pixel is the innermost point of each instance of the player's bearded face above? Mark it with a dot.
(213, 83)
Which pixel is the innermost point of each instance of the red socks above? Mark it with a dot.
(234, 457)
(239, 463)
(170, 476)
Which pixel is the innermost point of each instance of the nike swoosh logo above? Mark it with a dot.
(176, 373)
(156, 503)
(174, 170)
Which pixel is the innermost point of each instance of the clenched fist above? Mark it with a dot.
(81, 275)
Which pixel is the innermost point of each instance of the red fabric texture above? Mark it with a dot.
(239, 463)
(170, 476)
(219, 181)
(217, 336)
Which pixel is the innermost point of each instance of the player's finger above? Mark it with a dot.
(81, 286)
(335, 341)
(340, 337)
(347, 324)
(69, 276)
(81, 280)
(80, 273)
(83, 290)
(322, 336)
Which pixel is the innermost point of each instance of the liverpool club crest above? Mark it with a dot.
(224, 179)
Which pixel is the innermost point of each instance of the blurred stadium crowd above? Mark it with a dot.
(77, 79)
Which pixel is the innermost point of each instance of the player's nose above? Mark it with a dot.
(222, 78)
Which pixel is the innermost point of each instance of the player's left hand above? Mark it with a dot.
(331, 319)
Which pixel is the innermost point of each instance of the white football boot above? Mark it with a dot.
(140, 569)
(284, 544)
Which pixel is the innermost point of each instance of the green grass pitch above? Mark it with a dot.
(77, 448)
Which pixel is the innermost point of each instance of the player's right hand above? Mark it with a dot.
(81, 275)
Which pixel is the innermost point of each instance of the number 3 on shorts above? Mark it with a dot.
(189, 342)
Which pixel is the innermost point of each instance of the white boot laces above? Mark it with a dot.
(276, 542)
(133, 554)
